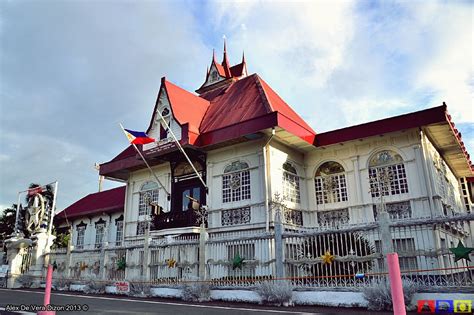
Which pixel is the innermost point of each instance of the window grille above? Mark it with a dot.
(387, 174)
(291, 184)
(81, 230)
(99, 234)
(148, 194)
(119, 233)
(236, 182)
(330, 183)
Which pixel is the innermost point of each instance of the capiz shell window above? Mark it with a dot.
(330, 183)
(387, 174)
(291, 183)
(236, 182)
(148, 194)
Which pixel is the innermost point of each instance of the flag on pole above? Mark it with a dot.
(138, 137)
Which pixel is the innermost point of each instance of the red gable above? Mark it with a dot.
(186, 107)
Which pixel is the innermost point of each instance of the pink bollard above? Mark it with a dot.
(47, 291)
(396, 286)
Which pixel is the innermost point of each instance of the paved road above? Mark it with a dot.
(118, 305)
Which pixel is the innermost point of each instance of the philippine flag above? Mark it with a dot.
(138, 137)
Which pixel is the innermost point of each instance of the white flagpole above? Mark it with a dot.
(182, 150)
(17, 215)
(146, 163)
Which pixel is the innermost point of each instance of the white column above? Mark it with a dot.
(358, 189)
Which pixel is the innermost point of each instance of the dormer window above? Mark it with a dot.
(214, 76)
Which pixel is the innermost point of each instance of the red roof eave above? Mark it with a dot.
(238, 129)
(107, 201)
(392, 124)
(293, 127)
(270, 120)
(457, 135)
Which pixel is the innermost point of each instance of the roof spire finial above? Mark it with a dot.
(243, 56)
(225, 60)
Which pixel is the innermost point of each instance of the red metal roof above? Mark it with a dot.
(236, 107)
(186, 106)
(241, 100)
(244, 101)
(238, 69)
(108, 201)
(391, 124)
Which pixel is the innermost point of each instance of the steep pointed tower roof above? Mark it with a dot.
(221, 74)
(225, 61)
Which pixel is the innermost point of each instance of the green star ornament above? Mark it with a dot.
(238, 262)
(461, 252)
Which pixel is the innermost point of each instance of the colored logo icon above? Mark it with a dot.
(444, 306)
(426, 306)
(463, 306)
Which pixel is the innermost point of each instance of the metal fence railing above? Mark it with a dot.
(328, 256)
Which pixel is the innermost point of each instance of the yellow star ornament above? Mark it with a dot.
(327, 258)
(171, 263)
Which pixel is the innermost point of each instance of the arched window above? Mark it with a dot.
(291, 183)
(330, 183)
(387, 174)
(148, 194)
(236, 182)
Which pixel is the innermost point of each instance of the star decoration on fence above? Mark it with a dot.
(83, 266)
(238, 262)
(121, 264)
(171, 263)
(461, 252)
(327, 258)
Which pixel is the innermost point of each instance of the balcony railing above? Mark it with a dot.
(175, 220)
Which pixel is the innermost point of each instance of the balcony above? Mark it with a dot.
(174, 219)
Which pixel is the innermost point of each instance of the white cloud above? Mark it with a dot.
(449, 72)
(340, 63)
(66, 84)
(303, 40)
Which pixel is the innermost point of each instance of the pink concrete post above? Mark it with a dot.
(47, 291)
(396, 286)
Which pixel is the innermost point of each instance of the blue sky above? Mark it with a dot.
(71, 71)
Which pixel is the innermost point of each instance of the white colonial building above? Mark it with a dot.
(256, 155)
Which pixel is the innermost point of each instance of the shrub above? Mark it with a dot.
(196, 292)
(94, 287)
(62, 284)
(275, 292)
(379, 296)
(25, 281)
(139, 289)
